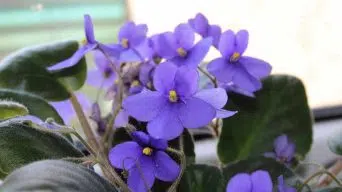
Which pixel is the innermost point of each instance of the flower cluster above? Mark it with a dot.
(155, 79)
(258, 181)
(159, 73)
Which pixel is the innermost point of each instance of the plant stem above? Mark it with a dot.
(215, 128)
(182, 159)
(112, 175)
(91, 150)
(119, 98)
(84, 122)
(109, 129)
(335, 169)
(105, 165)
(318, 174)
(212, 79)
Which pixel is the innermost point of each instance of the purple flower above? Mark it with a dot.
(96, 116)
(176, 103)
(284, 150)
(145, 160)
(258, 181)
(231, 87)
(282, 187)
(121, 119)
(135, 87)
(243, 71)
(157, 49)
(146, 73)
(179, 46)
(104, 75)
(146, 50)
(201, 26)
(218, 103)
(89, 45)
(130, 37)
(66, 110)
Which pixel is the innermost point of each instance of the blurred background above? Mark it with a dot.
(298, 37)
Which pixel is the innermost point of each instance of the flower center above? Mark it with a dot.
(173, 96)
(124, 174)
(157, 59)
(181, 52)
(135, 83)
(283, 159)
(107, 73)
(235, 57)
(147, 151)
(124, 43)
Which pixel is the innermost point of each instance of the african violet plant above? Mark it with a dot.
(160, 92)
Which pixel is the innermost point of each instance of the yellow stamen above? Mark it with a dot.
(116, 81)
(173, 96)
(84, 41)
(135, 83)
(147, 151)
(181, 52)
(235, 57)
(157, 59)
(107, 72)
(124, 42)
(124, 173)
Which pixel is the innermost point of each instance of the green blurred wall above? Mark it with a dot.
(23, 23)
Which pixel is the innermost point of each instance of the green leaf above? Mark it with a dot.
(260, 163)
(55, 175)
(202, 178)
(335, 143)
(30, 65)
(188, 146)
(36, 105)
(333, 189)
(10, 109)
(21, 144)
(280, 107)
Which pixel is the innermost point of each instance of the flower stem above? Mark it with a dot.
(119, 97)
(215, 128)
(112, 175)
(91, 150)
(318, 174)
(84, 122)
(182, 159)
(105, 165)
(212, 79)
